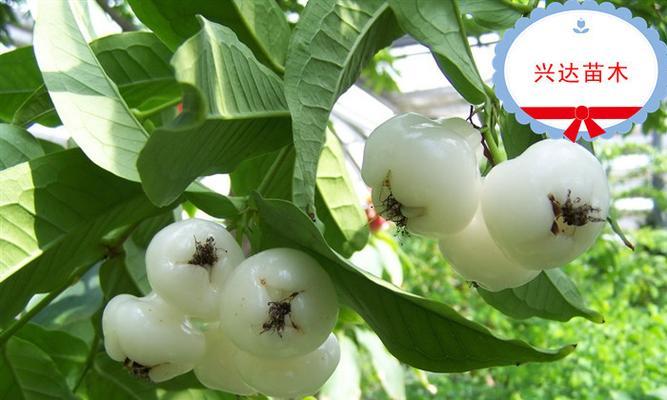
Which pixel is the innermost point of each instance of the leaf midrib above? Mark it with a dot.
(360, 39)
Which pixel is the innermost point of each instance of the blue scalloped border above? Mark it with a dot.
(537, 127)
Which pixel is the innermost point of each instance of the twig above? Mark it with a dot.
(124, 24)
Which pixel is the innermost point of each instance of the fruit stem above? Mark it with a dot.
(89, 361)
(491, 108)
(6, 334)
(522, 8)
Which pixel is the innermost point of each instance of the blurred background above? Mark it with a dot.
(624, 358)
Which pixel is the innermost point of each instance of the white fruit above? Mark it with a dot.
(430, 169)
(294, 377)
(473, 254)
(194, 289)
(278, 303)
(149, 332)
(533, 229)
(217, 370)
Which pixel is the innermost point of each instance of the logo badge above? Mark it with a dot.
(581, 70)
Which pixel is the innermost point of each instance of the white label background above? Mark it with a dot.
(551, 40)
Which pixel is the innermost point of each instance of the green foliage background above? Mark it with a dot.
(622, 359)
(51, 346)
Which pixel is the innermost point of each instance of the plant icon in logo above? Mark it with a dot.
(581, 26)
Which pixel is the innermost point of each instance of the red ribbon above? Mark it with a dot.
(581, 113)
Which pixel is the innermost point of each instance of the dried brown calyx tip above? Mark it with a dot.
(391, 208)
(279, 311)
(205, 254)
(137, 370)
(570, 214)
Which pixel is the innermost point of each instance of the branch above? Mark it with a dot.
(124, 24)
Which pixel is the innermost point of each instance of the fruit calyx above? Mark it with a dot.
(205, 254)
(391, 207)
(570, 214)
(137, 370)
(278, 312)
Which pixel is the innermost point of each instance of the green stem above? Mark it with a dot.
(522, 8)
(25, 318)
(270, 174)
(89, 361)
(488, 132)
(143, 115)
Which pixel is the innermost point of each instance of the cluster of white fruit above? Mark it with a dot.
(261, 324)
(537, 211)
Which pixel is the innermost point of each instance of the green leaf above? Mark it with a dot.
(491, 14)
(552, 295)
(333, 40)
(72, 310)
(259, 24)
(516, 137)
(438, 25)
(68, 352)
(50, 147)
(137, 62)
(346, 225)
(108, 380)
(87, 100)
(418, 331)
(387, 368)
(115, 278)
(249, 175)
(246, 116)
(345, 382)
(19, 78)
(37, 108)
(55, 211)
(28, 373)
(212, 203)
(17, 146)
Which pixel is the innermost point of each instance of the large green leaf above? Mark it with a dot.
(72, 310)
(242, 114)
(108, 380)
(346, 225)
(137, 62)
(37, 108)
(516, 137)
(259, 24)
(249, 175)
(116, 278)
(491, 14)
(28, 373)
(19, 78)
(68, 352)
(54, 212)
(333, 40)
(87, 100)
(418, 331)
(213, 203)
(17, 146)
(438, 25)
(552, 295)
